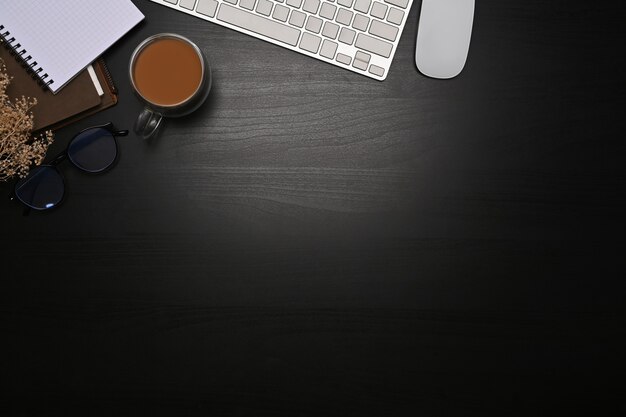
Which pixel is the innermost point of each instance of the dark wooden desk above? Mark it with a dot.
(315, 243)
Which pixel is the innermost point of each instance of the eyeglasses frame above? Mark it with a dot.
(62, 156)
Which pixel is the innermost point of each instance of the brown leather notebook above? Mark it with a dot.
(77, 99)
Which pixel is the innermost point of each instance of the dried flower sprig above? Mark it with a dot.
(19, 148)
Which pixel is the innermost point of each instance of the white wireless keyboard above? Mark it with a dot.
(358, 35)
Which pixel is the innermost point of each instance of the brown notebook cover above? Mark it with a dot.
(78, 99)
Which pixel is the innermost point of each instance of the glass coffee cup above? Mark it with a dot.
(171, 76)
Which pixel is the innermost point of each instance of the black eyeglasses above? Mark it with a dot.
(92, 150)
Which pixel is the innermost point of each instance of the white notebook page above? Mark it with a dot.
(64, 36)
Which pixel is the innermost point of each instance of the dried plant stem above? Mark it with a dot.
(15, 126)
(19, 148)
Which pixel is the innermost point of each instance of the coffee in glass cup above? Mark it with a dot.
(171, 76)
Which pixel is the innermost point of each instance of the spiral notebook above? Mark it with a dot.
(56, 40)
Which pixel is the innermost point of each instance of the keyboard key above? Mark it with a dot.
(345, 3)
(347, 36)
(247, 4)
(360, 22)
(207, 7)
(311, 6)
(362, 56)
(264, 7)
(310, 42)
(361, 60)
(231, 1)
(362, 6)
(383, 30)
(171, 1)
(344, 59)
(330, 30)
(297, 18)
(378, 10)
(328, 49)
(359, 64)
(399, 3)
(395, 16)
(373, 45)
(294, 3)
(258, 24)
(328, 11)
(376, 70)
(314, 24)
(344, 17)
(281, 13)
(187, 4)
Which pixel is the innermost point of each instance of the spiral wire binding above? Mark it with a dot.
(107, 75)
(27, 61)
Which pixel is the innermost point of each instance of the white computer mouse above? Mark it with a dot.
(443, 37)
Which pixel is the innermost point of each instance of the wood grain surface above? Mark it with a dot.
(312, 242)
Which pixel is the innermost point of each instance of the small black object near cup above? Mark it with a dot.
(171, 76)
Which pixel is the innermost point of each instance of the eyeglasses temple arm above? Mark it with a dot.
(57, 159)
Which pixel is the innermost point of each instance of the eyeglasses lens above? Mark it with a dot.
(93, 150)
(42, 189)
